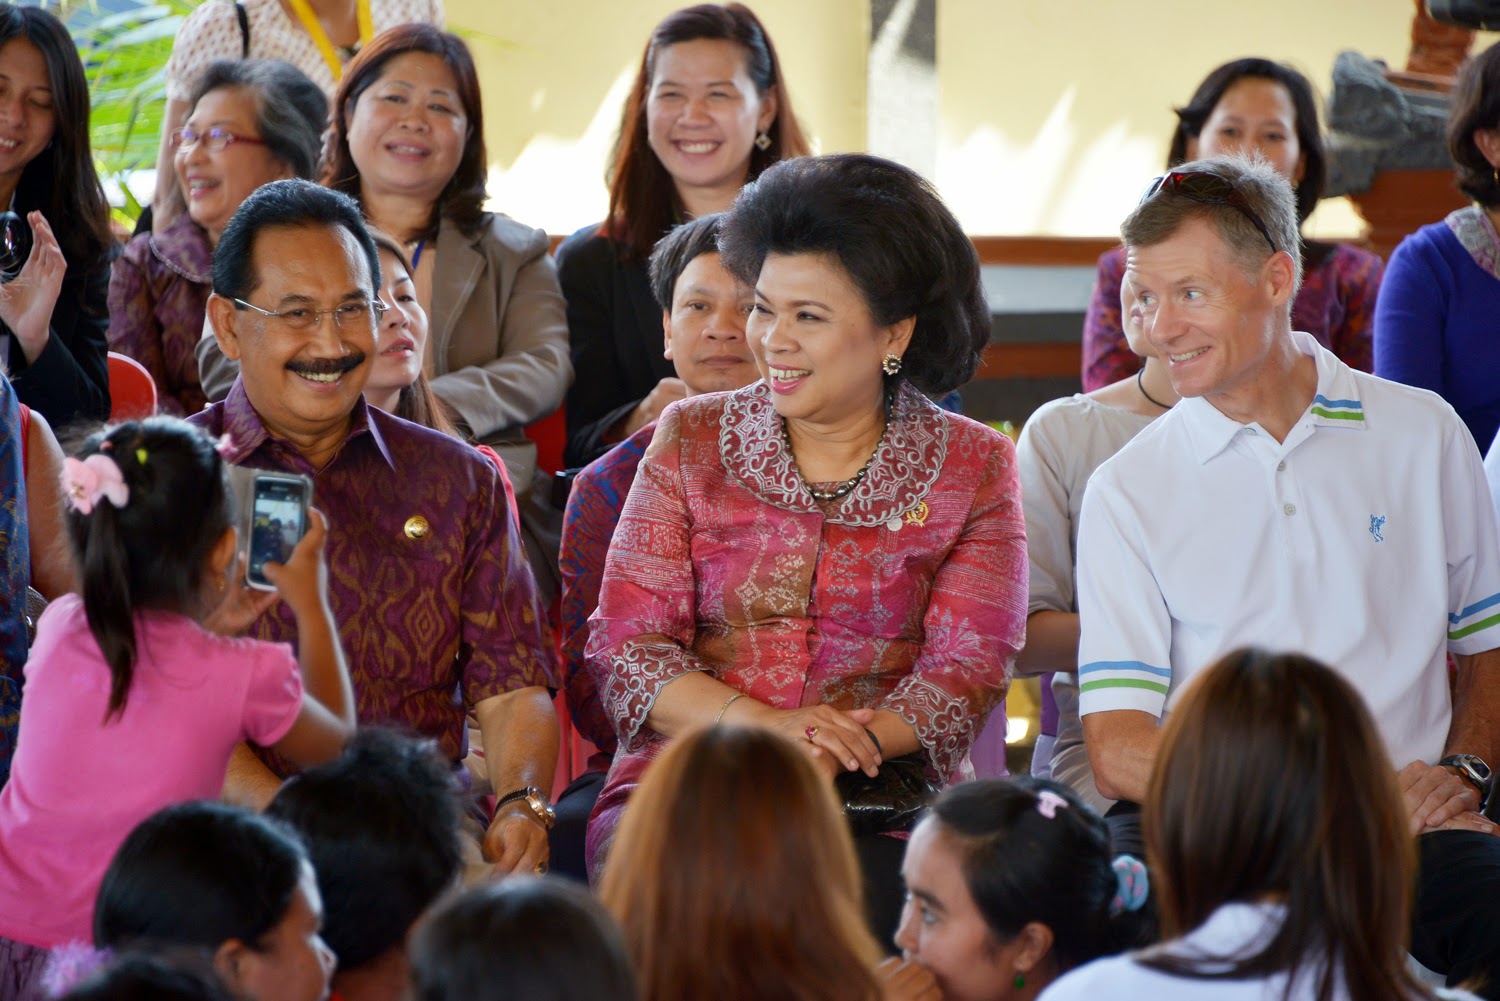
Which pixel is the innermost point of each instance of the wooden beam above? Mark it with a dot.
(1030, 361)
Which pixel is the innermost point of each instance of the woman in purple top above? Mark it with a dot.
(251, 122)
(1253, 106)
(1436, 318)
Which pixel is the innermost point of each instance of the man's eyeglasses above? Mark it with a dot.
(353, 315)
(214, 140)
(1210, 189)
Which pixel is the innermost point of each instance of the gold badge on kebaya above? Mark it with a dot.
(916, 517)
(417, 528)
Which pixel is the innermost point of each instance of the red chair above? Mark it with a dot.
(132, 391)
(550, 434)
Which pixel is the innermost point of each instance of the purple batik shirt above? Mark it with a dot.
(431, 622)
(158, 290)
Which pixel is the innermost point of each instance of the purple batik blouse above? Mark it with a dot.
(434, 599)
(158, 291)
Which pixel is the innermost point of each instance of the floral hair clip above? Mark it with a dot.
(70, 964)
(1132, 884)
(85, 482)
(1047, 803)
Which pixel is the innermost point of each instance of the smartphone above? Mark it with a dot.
(275, 521)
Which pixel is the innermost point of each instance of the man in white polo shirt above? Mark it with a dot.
(1291, 502)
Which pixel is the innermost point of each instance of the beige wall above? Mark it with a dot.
(1054, 113)
(555, 74)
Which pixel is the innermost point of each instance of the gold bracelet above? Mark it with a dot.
(727, 703)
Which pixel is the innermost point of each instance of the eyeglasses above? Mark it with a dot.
(346, 315)
(1210, 189)
(214, 140)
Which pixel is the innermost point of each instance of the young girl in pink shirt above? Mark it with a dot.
(136, 693)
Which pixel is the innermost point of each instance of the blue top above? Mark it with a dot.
(15, 572)
(1437, 319)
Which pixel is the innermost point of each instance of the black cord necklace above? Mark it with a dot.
(1141, 385)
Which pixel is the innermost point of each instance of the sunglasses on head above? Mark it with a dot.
(1210, 189)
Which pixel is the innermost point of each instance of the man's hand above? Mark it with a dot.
(1434, 795)
(1467, 822)
(516, 841)
(666, 391)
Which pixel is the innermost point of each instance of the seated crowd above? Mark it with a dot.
(780, 590)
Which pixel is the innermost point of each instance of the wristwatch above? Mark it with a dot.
(1473, 768)
(537, 803)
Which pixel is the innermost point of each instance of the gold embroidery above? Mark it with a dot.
(917, 515)
(417, 527)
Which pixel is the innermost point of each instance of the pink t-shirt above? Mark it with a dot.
(78, 785)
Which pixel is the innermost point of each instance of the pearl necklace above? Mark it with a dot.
(844, 488)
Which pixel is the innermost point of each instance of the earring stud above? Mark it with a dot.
(891, 364)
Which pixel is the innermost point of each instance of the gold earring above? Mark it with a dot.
(763, 141)
(891, 364)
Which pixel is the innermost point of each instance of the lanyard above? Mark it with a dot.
(320, 37)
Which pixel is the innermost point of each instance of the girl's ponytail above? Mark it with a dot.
(147, 503)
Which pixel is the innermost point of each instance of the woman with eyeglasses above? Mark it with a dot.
(55, 250)
(1435, 321)
(251, 122)
(1253, 107)
(708, 112)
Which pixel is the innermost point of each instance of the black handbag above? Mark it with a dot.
(891, 801)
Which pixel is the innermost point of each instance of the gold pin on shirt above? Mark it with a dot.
(918, 515)
(417, 527)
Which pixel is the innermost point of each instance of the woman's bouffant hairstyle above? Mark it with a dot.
(1272, 781)
(1021, 865)
(894, 237)
(198, 874)
(1476, 105)
(291, 111)
(642, 196)
(417, 402)
(733, 875)
(543, 939)
(61, 180)
(1192, 116)
(152, 552)
(462, 199)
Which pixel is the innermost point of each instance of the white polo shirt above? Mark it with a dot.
(1366, 540)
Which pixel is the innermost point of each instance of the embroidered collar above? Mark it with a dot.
(247, 432)
(183, 249)
(1335, 403)
(1475, 231)
(904, 468)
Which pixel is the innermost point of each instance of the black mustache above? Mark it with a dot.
(328, 366)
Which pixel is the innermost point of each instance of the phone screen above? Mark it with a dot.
(277, 520)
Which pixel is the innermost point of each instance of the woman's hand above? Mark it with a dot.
(907, 980)
(302, 580)
(836, 740)
(26, 302)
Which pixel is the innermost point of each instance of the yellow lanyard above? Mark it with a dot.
(320, 37)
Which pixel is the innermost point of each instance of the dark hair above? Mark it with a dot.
(417, 402)
(539, 939)
(1271, 779)
(1192, 116)
(61, 180)
(1022, 866)
(733, 875)
(152, 552)
(462, 199)
(291, 111)
(1476, 105)
(642, 196)
(140, 976)
(895, 238)
(290, 203)
(381, 825)
(198, 874)
(679, 248)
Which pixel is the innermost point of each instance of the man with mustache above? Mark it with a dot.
(703, 326)
(435, 601)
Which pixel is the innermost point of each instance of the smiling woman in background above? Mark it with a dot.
(709, 111)
(251, 122)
